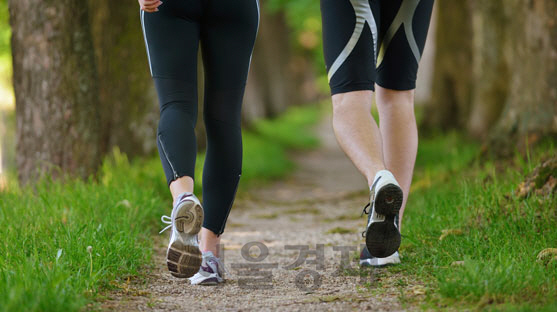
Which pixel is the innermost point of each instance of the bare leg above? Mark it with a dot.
(357, 133)
(400, 136)
(208, 240)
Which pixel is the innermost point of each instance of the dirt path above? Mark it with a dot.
(320, 203)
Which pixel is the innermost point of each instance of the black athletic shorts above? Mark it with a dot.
(374, 41)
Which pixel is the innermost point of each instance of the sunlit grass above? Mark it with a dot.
(45, 232)
(490, 260)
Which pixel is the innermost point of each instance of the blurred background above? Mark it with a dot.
(80, 76)
(78, 105)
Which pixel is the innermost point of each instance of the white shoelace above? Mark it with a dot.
(166, 220)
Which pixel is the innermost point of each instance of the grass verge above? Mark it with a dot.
(64, 243)
(470, 239)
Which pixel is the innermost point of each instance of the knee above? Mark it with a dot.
(177, 113)
(388, 100)
(352, 102)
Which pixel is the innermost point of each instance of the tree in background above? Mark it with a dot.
(127, 100)
(282, 73)
(531, 55)
(450, 103)
(496, 71)
(56, 88)
(82, 83)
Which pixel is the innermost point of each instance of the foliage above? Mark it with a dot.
(304, 19)
(5, 31)
(6, 93)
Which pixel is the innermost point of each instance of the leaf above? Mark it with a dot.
(447, 232)
(329, 298)
(547, 256)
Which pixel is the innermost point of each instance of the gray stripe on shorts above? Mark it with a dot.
(363, 15)
(403, 17)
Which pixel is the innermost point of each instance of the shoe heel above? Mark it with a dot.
(382, 238)
(183, 261)
(389, 200)
(189, 218)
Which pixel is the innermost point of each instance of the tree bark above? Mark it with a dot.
(128, 104)
(55, 84)
(509, 98)
(531, 106)
(490, 65)
(452, 82)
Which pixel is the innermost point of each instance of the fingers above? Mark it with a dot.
(149, 5)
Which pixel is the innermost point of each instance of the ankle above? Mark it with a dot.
(209, 241)
(374, 175)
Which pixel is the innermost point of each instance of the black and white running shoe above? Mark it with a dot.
(382, 234)
(367, 260)
(183, 257)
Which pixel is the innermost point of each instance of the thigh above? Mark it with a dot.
(402, 34)
(349, 43)
(172, 40)
(228, 36)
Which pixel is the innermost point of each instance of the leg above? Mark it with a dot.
(399, 134)
(357, 133)
(404, 27)
(349, 40)
(227, 40)
(172, 40)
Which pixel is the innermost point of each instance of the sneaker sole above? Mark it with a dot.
(182, 259)
(383, 238)
(367, 264)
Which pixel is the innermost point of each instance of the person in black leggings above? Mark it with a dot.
(173, 31)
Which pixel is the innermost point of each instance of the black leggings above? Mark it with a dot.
(226, 30)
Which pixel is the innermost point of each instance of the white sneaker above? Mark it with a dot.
(211, 271)
(382, 235)
(183, 257)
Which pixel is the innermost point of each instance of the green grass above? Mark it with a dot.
(45, 231)
(501, 236)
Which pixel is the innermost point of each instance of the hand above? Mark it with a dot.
(149, 5)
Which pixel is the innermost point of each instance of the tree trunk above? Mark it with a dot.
(490, 64)
(55, 84)
(452, 82)
(509, 99)
(531, 106)
(128, 105)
